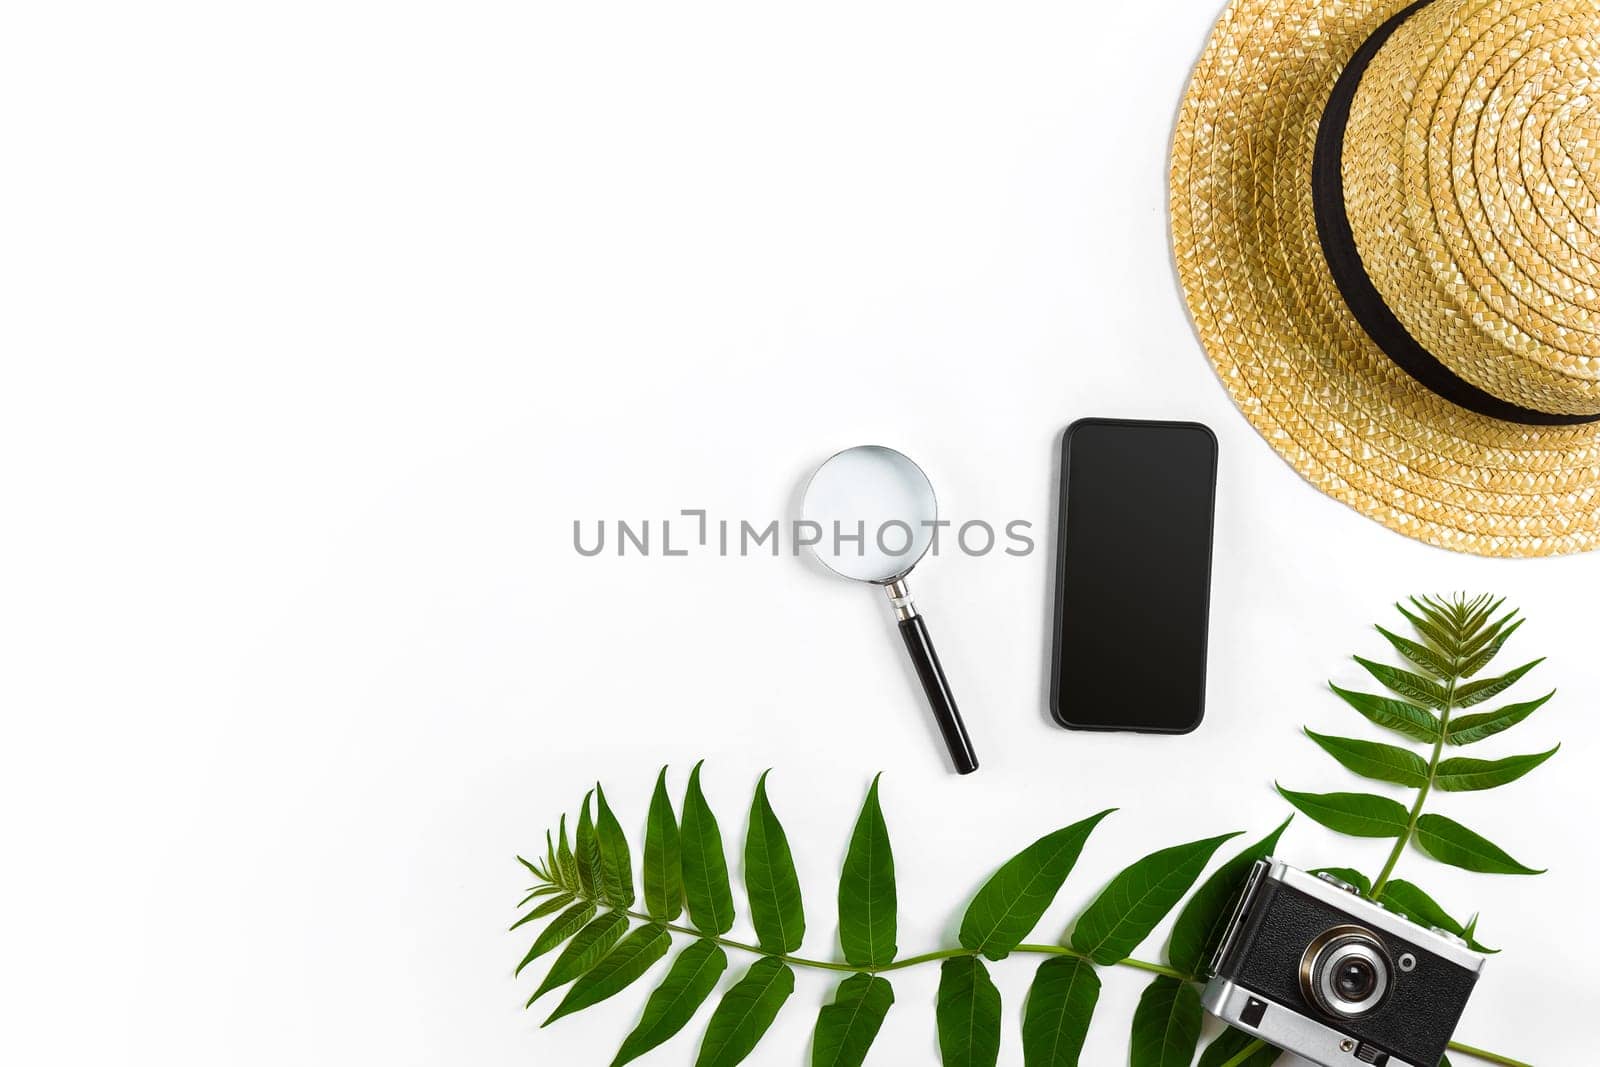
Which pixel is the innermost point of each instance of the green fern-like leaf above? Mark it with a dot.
(617, 969)
(616, 861)
(1202, 917)
(867, 896)
(776, 910)
(1061, 1003)
(1457, 638)
(1166, 1025)
(1409, 900)
(688, 985)
(705, 864)
(663, 857)
(968, 1014)
(1010, 904)
(583, 886)
(746, 1012)
(847, 1027)
(1140, 897)
(588, 850)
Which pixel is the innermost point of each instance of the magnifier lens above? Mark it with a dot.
(874, 509)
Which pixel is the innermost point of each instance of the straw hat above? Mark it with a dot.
(1386, 220)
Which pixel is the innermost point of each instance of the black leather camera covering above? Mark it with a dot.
(1416, 1018)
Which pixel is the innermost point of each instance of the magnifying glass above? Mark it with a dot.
(874, 513)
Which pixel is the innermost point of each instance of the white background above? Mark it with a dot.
(322, 322)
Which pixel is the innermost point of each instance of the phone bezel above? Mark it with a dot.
(1064, 490)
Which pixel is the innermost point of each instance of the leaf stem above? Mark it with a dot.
(904, 962)
(928, 957)
(1138, 965)
(798, 961)
(1040, 950)
(1244, 1054)
(1404, 839)
(1492, 1057)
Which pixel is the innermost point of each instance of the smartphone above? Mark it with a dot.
(1133, 575)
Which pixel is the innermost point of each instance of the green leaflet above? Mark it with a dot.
(542, 891)
(1449, 842)
(1472, 728)
(548, 907)
(867, 904)
(566, 861)
(847, 1027)
(968, 1014)
(663, 857)
(1166, 1025)
(1138, 898)
(1229, 1044)
(1446, 620)
(588, 851)
(624, 965)
(567, 924)
(1356, 814)
(1487, 647)
(745, 1013)
(1207, 908)
(1438, 635)
(1423, 656)
(542, 873)
(1479, 691)
(1060, 1006)
(770, 881)
(1353, 877)
(1477, 613)
(1444, 612)
(1460, 774)
(1011, 902)
(688, 983)
(1411, 901)
(705, 865)
(583, 951)
(1396, 715)
(1488, 632)
(1411, 686)
(616, 862)
(1462, 618)
(1370, 759)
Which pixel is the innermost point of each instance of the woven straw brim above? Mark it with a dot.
(1282, 339)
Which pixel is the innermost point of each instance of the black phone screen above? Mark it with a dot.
(1133, 575)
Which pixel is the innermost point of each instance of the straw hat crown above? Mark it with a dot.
(1471, 188)
(1386, 223)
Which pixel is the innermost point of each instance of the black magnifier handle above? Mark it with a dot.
(926, 661)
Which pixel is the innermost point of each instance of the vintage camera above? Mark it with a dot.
(1307, 964)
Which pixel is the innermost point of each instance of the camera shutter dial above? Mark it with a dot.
(1338, 883)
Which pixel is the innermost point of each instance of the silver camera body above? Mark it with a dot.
(1309, 965)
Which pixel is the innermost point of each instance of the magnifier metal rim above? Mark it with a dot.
(932, 494)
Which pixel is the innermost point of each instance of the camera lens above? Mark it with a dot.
(1355, 979)
(1346, 972)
